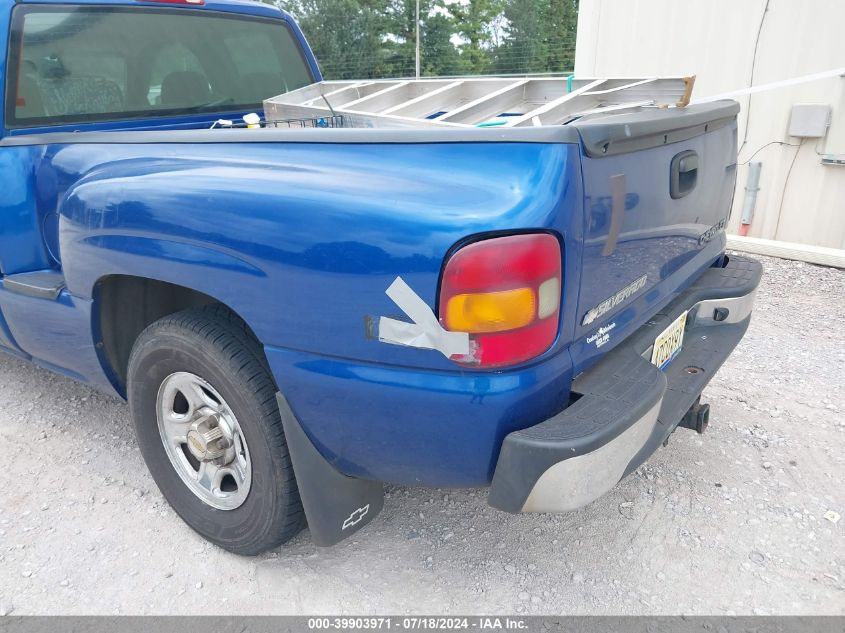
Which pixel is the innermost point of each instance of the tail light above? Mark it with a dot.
(505, 292)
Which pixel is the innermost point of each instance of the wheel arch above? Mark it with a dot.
(125, 305)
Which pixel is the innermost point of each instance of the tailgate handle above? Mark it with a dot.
(683, 174)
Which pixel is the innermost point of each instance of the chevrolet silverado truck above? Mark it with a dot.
(296, 317)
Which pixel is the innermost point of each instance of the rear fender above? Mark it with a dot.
(294, 239)
(302, 240)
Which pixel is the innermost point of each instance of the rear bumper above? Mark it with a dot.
(627, 406)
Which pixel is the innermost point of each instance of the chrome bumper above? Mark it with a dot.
(628, 407)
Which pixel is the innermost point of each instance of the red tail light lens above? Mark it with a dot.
(505, 292)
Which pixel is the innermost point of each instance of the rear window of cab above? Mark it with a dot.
(91, 64)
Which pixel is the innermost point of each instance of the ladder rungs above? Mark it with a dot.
(476, 101)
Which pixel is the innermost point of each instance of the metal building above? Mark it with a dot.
(732, 45)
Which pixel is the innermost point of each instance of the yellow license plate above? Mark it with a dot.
(668, 343)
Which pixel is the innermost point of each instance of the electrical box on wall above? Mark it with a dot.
(809, 120)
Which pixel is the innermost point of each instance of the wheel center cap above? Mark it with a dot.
(203, 439)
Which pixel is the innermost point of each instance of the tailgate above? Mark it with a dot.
(658, 187)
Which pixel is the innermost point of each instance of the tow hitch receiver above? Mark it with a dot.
(697, 418)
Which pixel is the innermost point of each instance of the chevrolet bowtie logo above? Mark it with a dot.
(356, 517)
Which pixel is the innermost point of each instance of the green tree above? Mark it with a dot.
(473, 22)
(539, 36)
(560, 19)
(359, 39)
(438, 55)
(347, 36)
(401, 34)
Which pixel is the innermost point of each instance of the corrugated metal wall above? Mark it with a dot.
(800, 200)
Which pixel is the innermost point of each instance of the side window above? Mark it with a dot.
(185, 84)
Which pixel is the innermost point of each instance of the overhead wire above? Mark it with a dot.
(751, 78)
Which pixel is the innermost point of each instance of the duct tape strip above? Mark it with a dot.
(425, 332)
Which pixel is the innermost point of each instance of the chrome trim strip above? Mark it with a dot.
(738, 310)
(702, 313)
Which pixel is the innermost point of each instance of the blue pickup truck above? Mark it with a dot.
(298, 316)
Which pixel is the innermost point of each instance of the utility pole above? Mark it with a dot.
(417, 21)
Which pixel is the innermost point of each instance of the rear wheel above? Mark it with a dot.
(205, 413)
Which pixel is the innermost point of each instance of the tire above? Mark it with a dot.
(212, 344)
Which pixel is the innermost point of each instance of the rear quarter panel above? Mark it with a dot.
(302, 240)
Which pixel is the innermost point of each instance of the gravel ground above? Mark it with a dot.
(732, 522)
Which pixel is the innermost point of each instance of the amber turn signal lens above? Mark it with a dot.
(491, 311)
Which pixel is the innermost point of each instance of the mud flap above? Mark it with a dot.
(336, 506)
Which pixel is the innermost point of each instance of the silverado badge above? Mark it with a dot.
(712, 232)
(608, 304)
